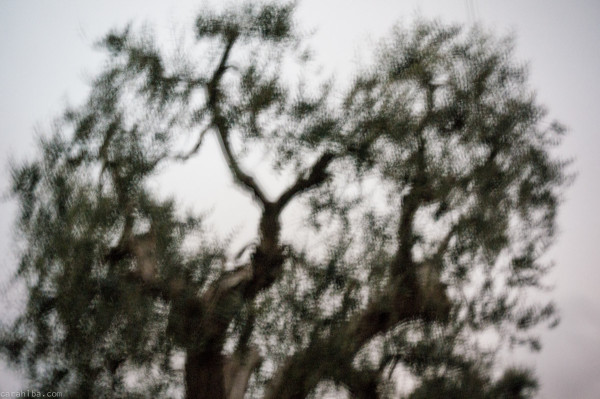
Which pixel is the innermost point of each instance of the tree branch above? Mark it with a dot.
(221, 300)
(242, 178)
(237, 371)
(221, 124)
(316, 177)
(187, 155)
(300, 375)
(213, 84)
(404, 299)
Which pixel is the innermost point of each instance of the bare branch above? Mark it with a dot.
(186, 156)
(242, 178)
(222, 126)
(222, 67)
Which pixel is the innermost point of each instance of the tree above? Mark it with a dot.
(428, 190)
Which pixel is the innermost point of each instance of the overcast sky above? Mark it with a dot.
(46, 57)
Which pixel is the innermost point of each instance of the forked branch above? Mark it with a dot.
(315, 177)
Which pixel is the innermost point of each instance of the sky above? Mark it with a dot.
(46, 58)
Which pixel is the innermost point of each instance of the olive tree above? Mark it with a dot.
(426, 186)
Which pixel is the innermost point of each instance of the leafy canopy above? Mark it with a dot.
(427, 188)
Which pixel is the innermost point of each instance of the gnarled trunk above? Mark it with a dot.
(212, 375)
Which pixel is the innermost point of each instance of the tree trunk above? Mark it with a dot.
(204, 376)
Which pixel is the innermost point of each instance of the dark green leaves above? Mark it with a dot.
(271, 22)
(115, 41)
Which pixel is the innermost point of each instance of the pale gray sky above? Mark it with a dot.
(46, 57)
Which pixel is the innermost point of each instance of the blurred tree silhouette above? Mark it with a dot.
(428, 188)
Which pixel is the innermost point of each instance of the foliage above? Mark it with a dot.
(427, 186)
